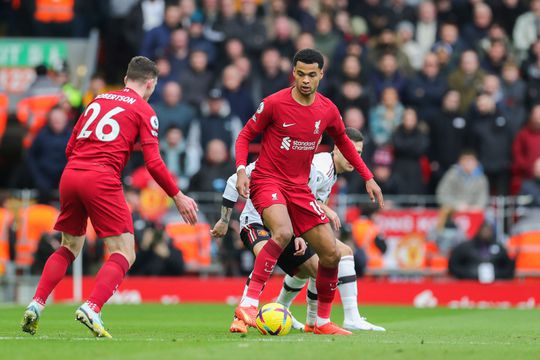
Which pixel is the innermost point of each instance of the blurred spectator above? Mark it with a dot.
(426, 27)
(448, 134)
(377, 16)
(526, 149)
(272, 78)
(403, 10)
(215, 122)
(467, 80)
(531, 69)
(157, 256)
(238, 96)
(491, 86)
(282, 34)
(46, 157)
(43, 84)
(71, 93)
(302, 13)
(251, 28)
(446, 235)
(197, 39)
(382, 172)
(212, 177)
(197, 78)
(481, 258)
(156, 40)
(326, 39)
(118, 48)
(492, 140)
(387, 75)
(354, 117)
(476, 31)
(409, 144)
(449, 47)
(304, 41)
(506, 12)
(513, 88)
(531, 187)
(165, 76)
(350, 70)
(174, 155)
(526, 29)
(405, 33)
(352, 93)
(386, 44)
(464, 187)
(227, 24)
(173, 111)
(233, 50)
(97, 86)
(425, 92)
(496, 57)
(177, 53)
(385, 117)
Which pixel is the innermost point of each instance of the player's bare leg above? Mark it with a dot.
(323, 241)
(276, 219)
(109, 277)
(54, 271)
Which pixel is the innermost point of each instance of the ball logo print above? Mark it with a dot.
(274, 319)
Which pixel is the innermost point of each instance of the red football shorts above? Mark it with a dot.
(94, 194)
(302, 206)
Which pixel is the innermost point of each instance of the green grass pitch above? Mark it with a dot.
(196, 331)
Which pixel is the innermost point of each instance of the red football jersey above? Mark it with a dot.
(107, 130)
(291, 133)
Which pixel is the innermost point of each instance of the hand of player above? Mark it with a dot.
(220, 229)
(300, 246)
(333, 217)
(242, 184)
(374, 192)
(187, 207)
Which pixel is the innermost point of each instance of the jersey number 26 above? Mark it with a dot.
(105, 120)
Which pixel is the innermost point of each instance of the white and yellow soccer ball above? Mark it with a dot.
(274, 319)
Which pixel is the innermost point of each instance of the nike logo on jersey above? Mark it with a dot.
(285, 125)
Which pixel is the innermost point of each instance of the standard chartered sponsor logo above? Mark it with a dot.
(287, 144)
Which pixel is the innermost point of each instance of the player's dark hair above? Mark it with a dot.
(309, 56)
(467, 152)
(354, 134)
(141, 69)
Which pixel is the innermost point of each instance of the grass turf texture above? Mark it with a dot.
(194, 331)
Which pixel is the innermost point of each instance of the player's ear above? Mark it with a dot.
(322, 74)
(125, 80)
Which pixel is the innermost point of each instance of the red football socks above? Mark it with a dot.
(326, 282)
(54, 270)
(263, 268)
(108, 279)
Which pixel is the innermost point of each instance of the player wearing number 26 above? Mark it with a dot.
(97, 152)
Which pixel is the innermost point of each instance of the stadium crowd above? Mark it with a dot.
(446, 92)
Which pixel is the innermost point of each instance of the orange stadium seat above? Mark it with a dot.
(526, 249)
(364, 232)
(4, 103)
(32, 113)
(5, 220)
(32, 223)
(193, 240)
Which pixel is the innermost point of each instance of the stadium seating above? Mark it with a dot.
(526, 249)
(32, 222)
(5, 220)
(194, 241)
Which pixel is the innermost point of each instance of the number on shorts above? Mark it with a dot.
(316, 207)
(107, 119)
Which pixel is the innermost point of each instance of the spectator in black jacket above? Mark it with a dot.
(425, 91)
(271, 78)
(482, 258)
(47, 155)
(238, 96)
(492, 138)
(410, 144)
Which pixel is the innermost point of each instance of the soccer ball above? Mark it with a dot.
(274, 319)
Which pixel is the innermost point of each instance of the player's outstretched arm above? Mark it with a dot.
(187, 207)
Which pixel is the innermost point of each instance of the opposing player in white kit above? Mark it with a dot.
(299, 262)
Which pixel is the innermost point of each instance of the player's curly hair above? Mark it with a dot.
(309, 56)
(141, 68)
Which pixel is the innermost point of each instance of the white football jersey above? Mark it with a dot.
(322, 177)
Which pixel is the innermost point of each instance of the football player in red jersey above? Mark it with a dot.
(291, 122)
(97, 152)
